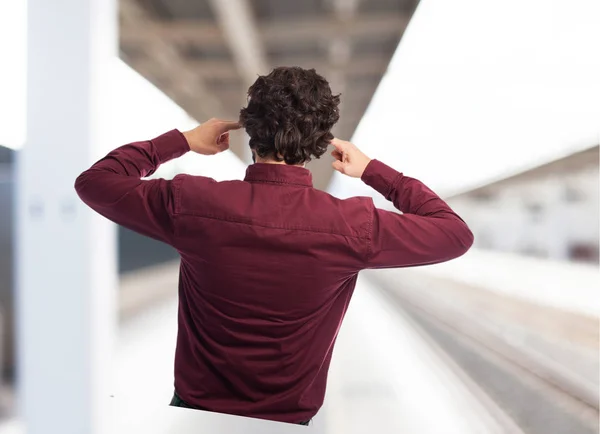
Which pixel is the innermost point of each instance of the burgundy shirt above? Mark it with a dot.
(268, 267)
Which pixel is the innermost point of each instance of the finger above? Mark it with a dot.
(339, 145)
(224, 126)
(223, 143)
(339, 166)
(223, 138)
(336, 154)
(223, 147)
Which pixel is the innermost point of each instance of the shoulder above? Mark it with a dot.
(190, 183)
(188, 188)
(185, 180)
(354, 214)
(353, 203)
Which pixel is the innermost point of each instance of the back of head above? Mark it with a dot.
(290, 114)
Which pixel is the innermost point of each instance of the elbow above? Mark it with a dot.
(465, 240)
(82, 187)
(79, 184)
(469, 239)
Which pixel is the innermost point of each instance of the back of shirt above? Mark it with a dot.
(266, 276)
(268, 267)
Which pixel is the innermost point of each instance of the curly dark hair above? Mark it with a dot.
(290, 114)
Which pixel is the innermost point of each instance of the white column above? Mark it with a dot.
(66, 268)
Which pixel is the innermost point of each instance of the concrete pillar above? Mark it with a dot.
(66, 256)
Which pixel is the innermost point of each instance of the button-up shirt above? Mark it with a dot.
(268, 266)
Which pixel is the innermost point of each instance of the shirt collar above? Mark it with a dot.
(279, 174)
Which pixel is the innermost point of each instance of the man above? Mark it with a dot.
(269, 264)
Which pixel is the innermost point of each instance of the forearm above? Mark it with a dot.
(408, 195)
(114, 176)
(429, 231)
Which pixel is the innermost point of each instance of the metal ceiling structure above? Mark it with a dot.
(205, 53)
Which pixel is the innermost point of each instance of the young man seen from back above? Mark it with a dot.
(269, 263)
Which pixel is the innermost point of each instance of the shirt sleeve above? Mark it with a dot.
(427, 232)
(113, 186)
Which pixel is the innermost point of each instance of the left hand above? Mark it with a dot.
(349, 160)
(211, 137)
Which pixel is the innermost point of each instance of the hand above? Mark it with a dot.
(349, 160)
(211, 137)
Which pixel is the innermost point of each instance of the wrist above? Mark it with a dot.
(381, 177)
(370, 167)
(365, 164)
(169, 145)
(188, 137)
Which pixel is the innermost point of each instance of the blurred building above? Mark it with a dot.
(551, 211)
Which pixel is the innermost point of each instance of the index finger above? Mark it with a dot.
(339, 145)
(225, 126)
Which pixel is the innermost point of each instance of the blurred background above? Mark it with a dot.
(493, 104)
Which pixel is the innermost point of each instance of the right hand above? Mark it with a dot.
(349, 160)
(211, 137)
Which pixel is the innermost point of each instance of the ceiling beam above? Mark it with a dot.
(340, 46)
(279, 34)
(374, 64)
(284, 33)
(339, 56)
(180, 83)
(204, 69)
(240, 31)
